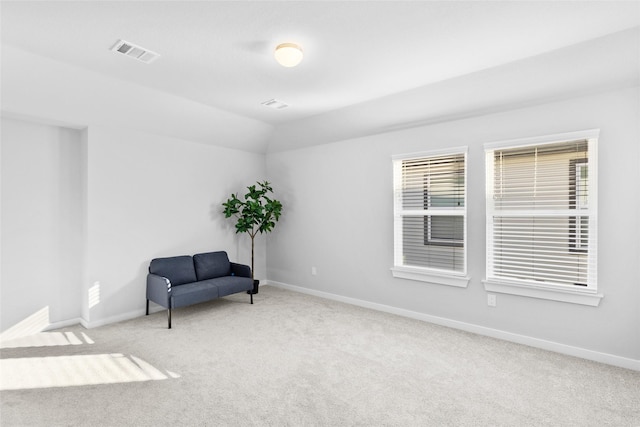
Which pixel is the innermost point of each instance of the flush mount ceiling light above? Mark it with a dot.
(288, 54)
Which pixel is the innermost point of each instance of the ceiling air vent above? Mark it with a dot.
(275, 104)
(134, 51)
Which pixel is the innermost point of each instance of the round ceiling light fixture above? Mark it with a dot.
(288, 54)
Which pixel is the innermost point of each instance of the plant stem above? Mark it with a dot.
(252, 237)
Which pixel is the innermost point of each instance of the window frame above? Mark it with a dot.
(585, 295)
(575, 222)
(418, 273)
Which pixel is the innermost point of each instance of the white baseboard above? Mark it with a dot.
(63, 324)
(114, 319)
(583, 353)
(153, 308)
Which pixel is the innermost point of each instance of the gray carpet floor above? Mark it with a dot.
(297, 360)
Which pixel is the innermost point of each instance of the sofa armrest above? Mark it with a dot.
(240, 270)
(158, 289)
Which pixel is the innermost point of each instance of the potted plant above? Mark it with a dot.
(257, 213)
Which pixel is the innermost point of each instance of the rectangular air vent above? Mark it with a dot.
(134, 51)
(275, 104)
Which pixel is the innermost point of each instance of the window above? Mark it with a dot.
(430, 217)
(542, 217)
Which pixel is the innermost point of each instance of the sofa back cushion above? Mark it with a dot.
(211, 265)
(178, 269)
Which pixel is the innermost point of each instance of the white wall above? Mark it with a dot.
(83, 213)
(152, 196)
(41, 223)
(339, 218)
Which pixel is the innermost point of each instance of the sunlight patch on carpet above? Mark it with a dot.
(67, 371)
(45, 339)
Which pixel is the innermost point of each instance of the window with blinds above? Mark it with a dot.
(430, 211)
(541, 214)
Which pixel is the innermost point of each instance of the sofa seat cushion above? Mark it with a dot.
(231, 284)
(178, 269)
(210, 265)
(193, 293)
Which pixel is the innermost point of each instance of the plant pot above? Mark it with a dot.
(256, 283)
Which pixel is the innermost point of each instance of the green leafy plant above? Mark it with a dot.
(257, 213)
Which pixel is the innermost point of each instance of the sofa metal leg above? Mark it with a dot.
(251, 297)
(147, 307)
(169, 318)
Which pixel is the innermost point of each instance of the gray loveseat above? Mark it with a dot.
(184, 280)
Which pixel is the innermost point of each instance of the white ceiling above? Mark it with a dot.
(218, 54)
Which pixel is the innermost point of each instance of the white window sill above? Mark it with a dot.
(424, 275)
(530, 290)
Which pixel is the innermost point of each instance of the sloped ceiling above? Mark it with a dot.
(368, 66)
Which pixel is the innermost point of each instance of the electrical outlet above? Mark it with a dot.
(314, 271)
(491, 300)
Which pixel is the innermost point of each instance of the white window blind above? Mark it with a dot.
(542, 214)
(430, 211)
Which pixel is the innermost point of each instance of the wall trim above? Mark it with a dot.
(153, 308)
(583, 353)
(115, 319)
(63, 324)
